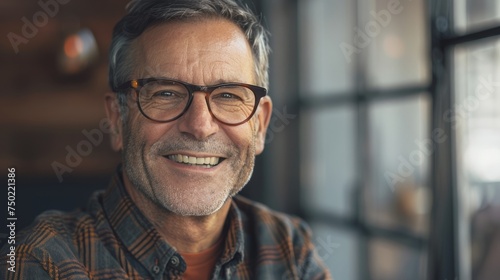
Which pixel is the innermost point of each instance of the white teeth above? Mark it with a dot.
(194, 160)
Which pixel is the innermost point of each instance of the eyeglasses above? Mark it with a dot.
(165, 100)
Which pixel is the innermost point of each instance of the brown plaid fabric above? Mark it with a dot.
(112, 239)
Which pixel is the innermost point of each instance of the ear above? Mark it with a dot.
(263, 118)
(115, 120)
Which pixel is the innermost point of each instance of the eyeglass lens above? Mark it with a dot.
(164, 100)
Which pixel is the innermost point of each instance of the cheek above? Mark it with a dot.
(242, 137)
(147, 131)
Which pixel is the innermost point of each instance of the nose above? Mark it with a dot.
(198, 121)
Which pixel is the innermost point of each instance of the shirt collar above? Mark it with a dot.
(235, 241)
(135, 232)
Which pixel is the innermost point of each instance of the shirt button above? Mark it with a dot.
(156, 269)
(174, 261)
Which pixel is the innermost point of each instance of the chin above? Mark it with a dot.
(192, 201)
(197, 208)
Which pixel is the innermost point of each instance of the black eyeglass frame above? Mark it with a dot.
(137, 84)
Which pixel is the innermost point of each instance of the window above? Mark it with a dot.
(464, 238)
(399, 129)
(360, 82)
(475, 121)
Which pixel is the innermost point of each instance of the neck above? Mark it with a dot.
(188, 234)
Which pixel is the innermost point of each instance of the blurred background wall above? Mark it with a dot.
(385, 134)
(54, 73)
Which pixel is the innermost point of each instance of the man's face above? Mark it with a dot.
(204, 52)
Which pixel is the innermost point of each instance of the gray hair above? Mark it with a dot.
(146, 13)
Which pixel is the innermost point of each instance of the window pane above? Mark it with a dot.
(476, 14)
(338, 249)
(323, 26)
(392, 37)
(392, 261)
(475, 117)
(400, 152)
(328, 159)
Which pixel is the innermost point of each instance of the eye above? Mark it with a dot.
(164, 91)
(227, 96)
(166, 94)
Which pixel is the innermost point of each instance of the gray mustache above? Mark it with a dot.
(209, 146)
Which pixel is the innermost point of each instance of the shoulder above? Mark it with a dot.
(55, 226)
(50, 243)
(51, 239)
(58, 231)
(281, 243)
(260, 213)
(272, 221)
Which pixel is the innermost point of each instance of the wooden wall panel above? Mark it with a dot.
(43, 112)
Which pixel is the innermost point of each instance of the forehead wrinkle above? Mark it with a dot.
(189, 67)
(144, 61)
(216, 72)
(202, 65)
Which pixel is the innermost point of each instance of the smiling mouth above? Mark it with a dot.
(207, 162)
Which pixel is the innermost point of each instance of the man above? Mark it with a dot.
(188, 112)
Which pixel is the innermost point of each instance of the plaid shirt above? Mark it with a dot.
(112, 239)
